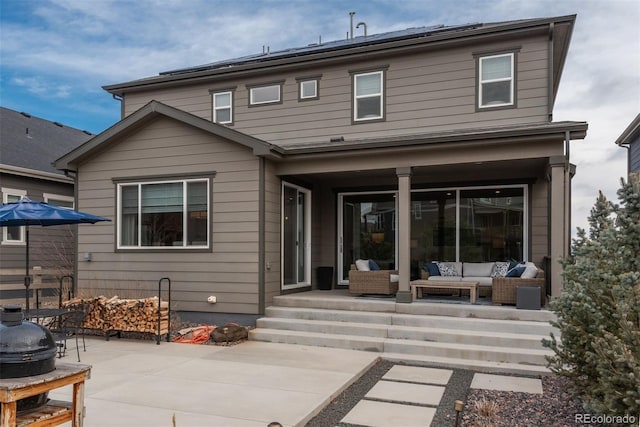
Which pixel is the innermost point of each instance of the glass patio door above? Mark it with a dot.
(367, 230)
(296, 236)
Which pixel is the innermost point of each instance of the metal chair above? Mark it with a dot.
(67, 325)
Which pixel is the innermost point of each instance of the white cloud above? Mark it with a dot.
(70, 48)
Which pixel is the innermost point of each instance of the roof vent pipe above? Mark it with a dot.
(351, 25)
(364, 24)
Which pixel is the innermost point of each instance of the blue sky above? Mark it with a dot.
(55, 55)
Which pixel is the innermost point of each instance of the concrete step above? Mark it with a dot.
(466, 352)
(343, 301)
(423, 321)
(487, 337)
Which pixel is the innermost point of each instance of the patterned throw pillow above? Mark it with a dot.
(447, 269)
(500, 269)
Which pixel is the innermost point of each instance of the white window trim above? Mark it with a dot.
(315, 89)
(273, 101)
(510, 80)
(48, 196)
(229, 107)
(356, 97)
(6, 192)
(307, 236)
(184, 219)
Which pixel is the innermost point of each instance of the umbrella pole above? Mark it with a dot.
(27, 278)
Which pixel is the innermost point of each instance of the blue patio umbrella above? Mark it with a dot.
(26, 212)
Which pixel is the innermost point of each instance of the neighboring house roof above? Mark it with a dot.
(155, 109)
(631, 133)
(29, 144)
(558, 28)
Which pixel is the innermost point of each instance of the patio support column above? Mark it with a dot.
(559, 214)
(404, 234)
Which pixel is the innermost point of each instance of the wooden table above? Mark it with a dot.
(53, 413)
(417, 285)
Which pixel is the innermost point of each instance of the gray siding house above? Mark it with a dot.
(238, 179)
(28, 147)
(630, 139)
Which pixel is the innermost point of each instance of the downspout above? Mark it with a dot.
(76, 239)
(119, 99)
(261, 238)
(550, 74)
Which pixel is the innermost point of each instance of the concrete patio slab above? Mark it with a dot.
(383, 414)
(406, 392)
(418, 374)
(507, 383)
(139, 383)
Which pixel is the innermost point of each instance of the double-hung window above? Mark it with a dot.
(15, 234)
(172, 213)
(496, 82)
(223, 107)
(368, 96)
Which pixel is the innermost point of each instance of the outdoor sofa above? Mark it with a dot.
(364, 280)
(497, 280)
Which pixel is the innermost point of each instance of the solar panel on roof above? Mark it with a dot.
(324, 47)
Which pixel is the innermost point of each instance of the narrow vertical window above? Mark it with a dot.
(13, 234)
(222, 107)
(368, 96)
(496, 81)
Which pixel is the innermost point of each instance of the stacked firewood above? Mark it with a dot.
(116, 314)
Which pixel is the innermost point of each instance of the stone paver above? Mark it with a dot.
(405, 392)
(418, 374)
(507, 383)
(383, 414)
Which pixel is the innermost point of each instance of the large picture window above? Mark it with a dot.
(164, 214)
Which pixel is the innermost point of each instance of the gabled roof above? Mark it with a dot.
(631, 133)
(29, 143)
(149, 112)
(559, 30)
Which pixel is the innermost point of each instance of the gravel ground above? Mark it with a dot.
(483, 408)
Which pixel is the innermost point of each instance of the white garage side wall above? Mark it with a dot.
(168, 147)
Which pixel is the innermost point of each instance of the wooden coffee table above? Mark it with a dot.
(418, 285)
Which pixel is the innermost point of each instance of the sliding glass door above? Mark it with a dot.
(472, 224)
(367, 230)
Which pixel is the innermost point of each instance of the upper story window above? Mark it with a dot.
(308, 89)
(15, 234)
(223, 107)
(496, 81)
(164, 214)
(58, 200)
(368, 96)
(265, 94)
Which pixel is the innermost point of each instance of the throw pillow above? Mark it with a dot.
(515, 271)
(432, 268)
(500, 269)
(373, 266)
(362, 265)
(530, 271)
(447, 269)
